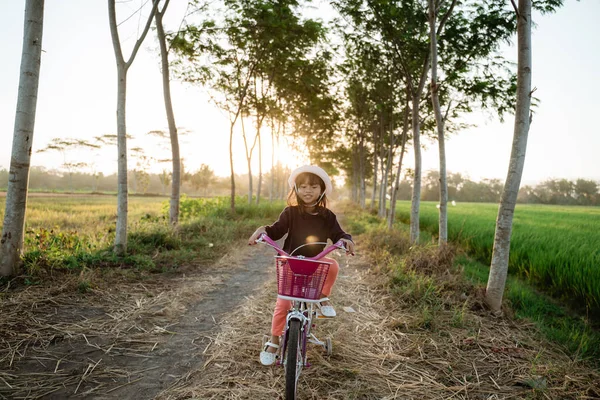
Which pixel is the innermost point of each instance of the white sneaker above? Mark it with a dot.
(328, 311)
(267, 358)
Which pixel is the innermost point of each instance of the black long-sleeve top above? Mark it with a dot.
(306, 228)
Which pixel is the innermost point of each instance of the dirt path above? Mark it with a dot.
(381, 350)
(198, 336)
(131, 341)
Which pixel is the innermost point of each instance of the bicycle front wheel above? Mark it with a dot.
(293, 363)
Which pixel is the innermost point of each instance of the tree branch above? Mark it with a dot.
(139, 42)
(446, 17)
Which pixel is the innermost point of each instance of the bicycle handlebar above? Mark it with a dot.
(263, 238)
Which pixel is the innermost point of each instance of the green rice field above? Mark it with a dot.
(86, 214)
(556, 247)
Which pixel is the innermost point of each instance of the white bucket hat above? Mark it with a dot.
(313, 169)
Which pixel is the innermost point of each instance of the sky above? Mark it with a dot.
(77, 97)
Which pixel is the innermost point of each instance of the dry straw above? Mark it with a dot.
(56, 340)
(380, 352)
(383, 350)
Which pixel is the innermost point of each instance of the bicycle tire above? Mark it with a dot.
(293, 363)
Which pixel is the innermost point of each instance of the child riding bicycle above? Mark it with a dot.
(306, 220)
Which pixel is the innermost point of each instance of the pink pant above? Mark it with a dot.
(282, 306)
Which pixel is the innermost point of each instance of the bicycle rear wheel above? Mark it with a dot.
(293, 363)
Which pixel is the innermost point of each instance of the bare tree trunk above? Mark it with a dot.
(166, 80)
(416, 192)
(232, 203)
(272, 180)
(439, 120)
(279, 167)
(375, 171)
(392, 215)
(382, 152)
(248, 161)
(122, 189)
(355, 174)
(258, 188)
(361, 156)
(390, 164)
(120, 246)
(500, 255)
(13, 229)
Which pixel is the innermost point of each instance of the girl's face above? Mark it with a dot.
(309, 190)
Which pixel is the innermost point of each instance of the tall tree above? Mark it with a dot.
(166, 82)
(227, 74)
(394, 196)
(120, 246)
(434, 7)
(467, 41)
(11, 244)
(262, 52)
(501, 250)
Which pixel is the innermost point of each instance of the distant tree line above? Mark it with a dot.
(204, 182)
(460, 188)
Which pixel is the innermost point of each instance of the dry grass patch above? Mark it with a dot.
(55, 337)
(379, 352)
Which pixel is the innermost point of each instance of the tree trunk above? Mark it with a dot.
(120, 246)
(232, 202)
(355, 175)
(272, 179)
(394, 196)
(439, 121)
(259, 185)
(166, 81)
(13, 229)
(122, 190)
(416, 192)
(375, 170)
(390, 167)
(361, 156)
(500, 255)
(248, 162)
(383, 167)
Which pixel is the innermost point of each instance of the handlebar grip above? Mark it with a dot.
(341, 244)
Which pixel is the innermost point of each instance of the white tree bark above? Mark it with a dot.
(272, 178)
(232, 171)
(11, 244)
(386, 175)
(166, 81)
(384, 170)
(439, 120)
(416, 192)
(375, 171)
(259, 184)
(120, 246)
(361, 156)
(500, 255)
(392, 216)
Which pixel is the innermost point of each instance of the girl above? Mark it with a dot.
(306, 220)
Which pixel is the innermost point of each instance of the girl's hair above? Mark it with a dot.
(311, 179)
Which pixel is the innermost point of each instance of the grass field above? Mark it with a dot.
(85, 214)
(75, 232)
(556, 247)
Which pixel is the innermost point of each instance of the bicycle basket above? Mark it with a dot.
(300, 278)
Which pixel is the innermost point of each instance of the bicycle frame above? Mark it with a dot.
(300, 318)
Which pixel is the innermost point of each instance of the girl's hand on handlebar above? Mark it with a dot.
(256, 235)
(349, 246)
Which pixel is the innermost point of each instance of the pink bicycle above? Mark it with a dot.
(300, 279)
